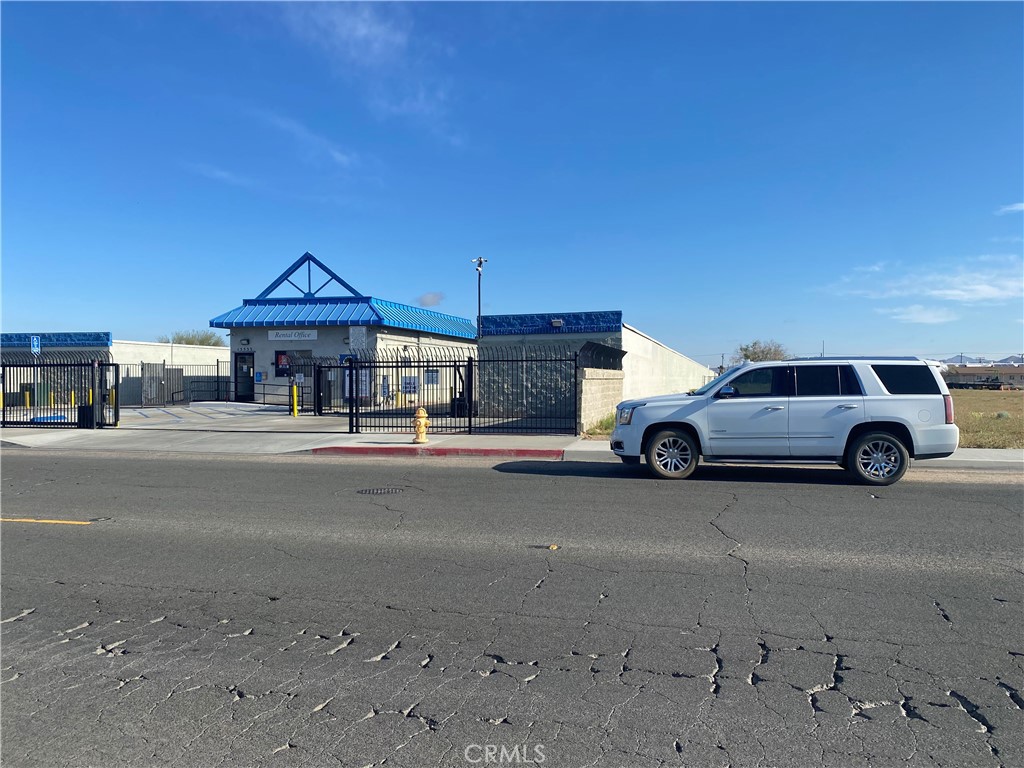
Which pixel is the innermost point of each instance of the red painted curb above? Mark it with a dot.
(415, 450)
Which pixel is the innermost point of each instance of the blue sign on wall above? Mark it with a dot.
(36, 349)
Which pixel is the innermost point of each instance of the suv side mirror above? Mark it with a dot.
(726, 392)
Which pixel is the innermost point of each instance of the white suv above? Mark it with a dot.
(869, 415)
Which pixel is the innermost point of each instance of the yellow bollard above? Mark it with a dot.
(28, 399)
(72, 398)
(113, 398)
(419, 425)
(53, 401)
(295, 401)
(90, 395)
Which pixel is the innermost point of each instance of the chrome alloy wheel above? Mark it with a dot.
(879, 459)
(673, 455)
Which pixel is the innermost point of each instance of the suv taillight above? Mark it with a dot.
(949, 408)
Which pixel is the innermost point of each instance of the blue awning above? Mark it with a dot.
(342, 311)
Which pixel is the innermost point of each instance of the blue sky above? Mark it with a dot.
(846, 174)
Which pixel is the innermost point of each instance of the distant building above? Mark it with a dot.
(85, 346)
(998, 376)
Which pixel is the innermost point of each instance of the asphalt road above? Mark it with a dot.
(312, 611)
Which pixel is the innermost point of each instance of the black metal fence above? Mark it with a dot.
(60, 395)
(503, 391)
(162, 384)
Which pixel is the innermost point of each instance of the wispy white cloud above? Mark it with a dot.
(990, 279)
(362, 34)
(373, 45)
(430, 299)
(919, 314)
(313, 144)
(1015, 208)
(214, 173)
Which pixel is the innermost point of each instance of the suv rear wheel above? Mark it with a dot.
(672, 454)
(877, 458)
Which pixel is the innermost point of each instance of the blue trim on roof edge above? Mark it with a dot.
(540, 323)
(64, 340)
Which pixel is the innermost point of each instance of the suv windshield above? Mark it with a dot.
(716, 381)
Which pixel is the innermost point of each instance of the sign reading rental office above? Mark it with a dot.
(291, 335)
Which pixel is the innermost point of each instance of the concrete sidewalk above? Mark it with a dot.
(239, 428)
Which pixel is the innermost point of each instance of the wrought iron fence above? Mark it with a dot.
(162, 384)
(504, 391)
(60, 395)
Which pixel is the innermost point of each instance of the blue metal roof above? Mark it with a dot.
(345, 310)
(313, 310)
(571, 322)
(64, 340)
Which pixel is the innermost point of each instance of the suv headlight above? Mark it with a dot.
(626, 415)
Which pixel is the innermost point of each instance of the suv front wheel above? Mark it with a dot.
(877, 458)
(672, 454)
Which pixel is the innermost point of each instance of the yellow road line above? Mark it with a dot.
(49, 522)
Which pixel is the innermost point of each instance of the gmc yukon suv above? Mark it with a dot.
(870, 415)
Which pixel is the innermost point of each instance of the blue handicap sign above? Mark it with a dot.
(36, 346)
(259, 376)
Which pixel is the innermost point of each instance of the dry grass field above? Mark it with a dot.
(989, 418)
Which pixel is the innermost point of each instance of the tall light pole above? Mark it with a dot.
(479, 261)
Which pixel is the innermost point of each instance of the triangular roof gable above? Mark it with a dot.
(307, 259)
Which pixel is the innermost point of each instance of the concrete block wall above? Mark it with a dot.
(599, 392)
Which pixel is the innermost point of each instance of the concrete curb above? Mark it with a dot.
(416, 450)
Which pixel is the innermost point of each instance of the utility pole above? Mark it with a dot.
(479, 261)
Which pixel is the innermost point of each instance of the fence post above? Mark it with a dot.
(350, 391)
(470, 394)
(576, 393)
(318, 394)
(97, 399)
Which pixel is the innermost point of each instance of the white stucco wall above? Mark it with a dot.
(651, 368)
(334, 343)
(134, 352)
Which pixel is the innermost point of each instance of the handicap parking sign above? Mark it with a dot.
(36, 345)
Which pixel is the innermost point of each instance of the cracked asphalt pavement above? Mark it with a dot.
(316, 611)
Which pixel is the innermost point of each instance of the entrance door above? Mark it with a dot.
(245, 387)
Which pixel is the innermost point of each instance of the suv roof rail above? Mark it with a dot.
(853, 357)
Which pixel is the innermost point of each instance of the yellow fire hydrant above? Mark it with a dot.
(419, 425)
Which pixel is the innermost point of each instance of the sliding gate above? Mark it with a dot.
(60, 395)
(491, 395)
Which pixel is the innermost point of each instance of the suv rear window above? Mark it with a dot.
(907, 379)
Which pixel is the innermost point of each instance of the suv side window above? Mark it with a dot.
(907, 379)
(826, 381)
(761, 382)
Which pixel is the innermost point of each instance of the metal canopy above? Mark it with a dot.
(314, 310)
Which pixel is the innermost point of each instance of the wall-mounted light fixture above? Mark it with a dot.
(557, 322)
(244, 342)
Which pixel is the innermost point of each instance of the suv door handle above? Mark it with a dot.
(775, 407)
(848, 407)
